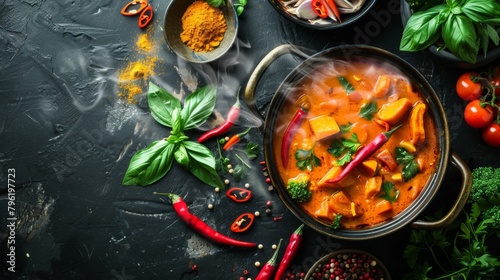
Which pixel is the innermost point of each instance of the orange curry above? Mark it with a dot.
(348, 104)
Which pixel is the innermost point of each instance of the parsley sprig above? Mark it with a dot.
(344, 149)
(306, 159)
(389, 192)
(410, 166)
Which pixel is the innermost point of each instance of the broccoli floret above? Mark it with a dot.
(298, 187)
(485, 192)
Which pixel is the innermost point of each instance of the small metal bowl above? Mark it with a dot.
(346, 18)
(342, 253)
(173, 28)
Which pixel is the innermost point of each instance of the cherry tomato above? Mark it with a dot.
(466, 88)
(476, 116)
(495, 82)
(491, 134)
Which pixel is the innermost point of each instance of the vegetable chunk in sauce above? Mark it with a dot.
(350, 104)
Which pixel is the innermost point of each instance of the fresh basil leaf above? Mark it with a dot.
(482, 10)
(198, 106)
(202, 164)
(423, 28)
(161, 104)
(459, 36)
(367, 110)
(176, 122)
(150, 164)
(181, 156)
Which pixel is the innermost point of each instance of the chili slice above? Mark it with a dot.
(235, 139)
(232, 117)
(146, 16)
(239, 194)
(182, 210)
(364, 153)
(331, 4)
(268, 269)
(290, 252)
(243, 222)
(290, 131)
(319, 8)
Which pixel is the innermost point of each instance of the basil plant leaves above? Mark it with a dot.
(153, 162)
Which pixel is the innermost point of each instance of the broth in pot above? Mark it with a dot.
(330, 118)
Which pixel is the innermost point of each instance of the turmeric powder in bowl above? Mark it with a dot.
(198, 32)
(203, 26)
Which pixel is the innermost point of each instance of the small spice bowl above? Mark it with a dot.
(352, 262)
(173, 28)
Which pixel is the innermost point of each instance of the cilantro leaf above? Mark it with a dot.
(344, 149)
(407, 160)
(346, 84)
(345, 128)
(306, 159)
(367, 110)
(389, 192)
(252, 150)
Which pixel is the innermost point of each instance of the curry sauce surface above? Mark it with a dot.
(328, 97)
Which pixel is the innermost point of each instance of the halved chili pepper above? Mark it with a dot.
(268, 269)
(232, 117)
(239, 194)
(243, 222)
(235, 139)
(319, 8)
(146, 16)
(290, 252)
(182, 210)
(364, 153)
(295, 123)
(331, 4)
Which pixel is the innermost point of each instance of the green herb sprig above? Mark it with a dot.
(344, 149)
(306, 159)
(465, 27)
(153, 162)
(410, 166)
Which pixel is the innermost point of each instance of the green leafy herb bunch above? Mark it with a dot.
(153, 162)
(465, 26)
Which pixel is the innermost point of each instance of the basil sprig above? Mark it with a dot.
(465, 27)
(152, 163)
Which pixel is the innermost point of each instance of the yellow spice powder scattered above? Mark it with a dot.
(132, 80)
(203, 26)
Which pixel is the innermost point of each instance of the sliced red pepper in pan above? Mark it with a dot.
(331, 4)
(319, 8)
(243, 222)
(239, 194)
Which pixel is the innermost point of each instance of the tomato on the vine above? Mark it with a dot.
(478, 116)
(495, 82)
(491, 134)
(467, 88)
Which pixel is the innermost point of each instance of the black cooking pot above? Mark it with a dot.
(276, 116)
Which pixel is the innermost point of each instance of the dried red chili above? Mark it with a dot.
(364, 153)
(235, 139)
(201, 227)
(243, 222)
(290, 252)
(232, 117)
(295, 123)
(268, 269)
(239, 194)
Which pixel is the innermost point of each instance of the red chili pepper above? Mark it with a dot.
(235, 139)
(146, 16)
(290, 252)
(364, 153)
(331, 4)
(232, 117)
(243, 222)
(268, 269)
(319, 8)
(239, 194)
(201, 227)
(295, 123)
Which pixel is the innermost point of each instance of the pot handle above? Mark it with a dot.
(461, 200)
(249, 95)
